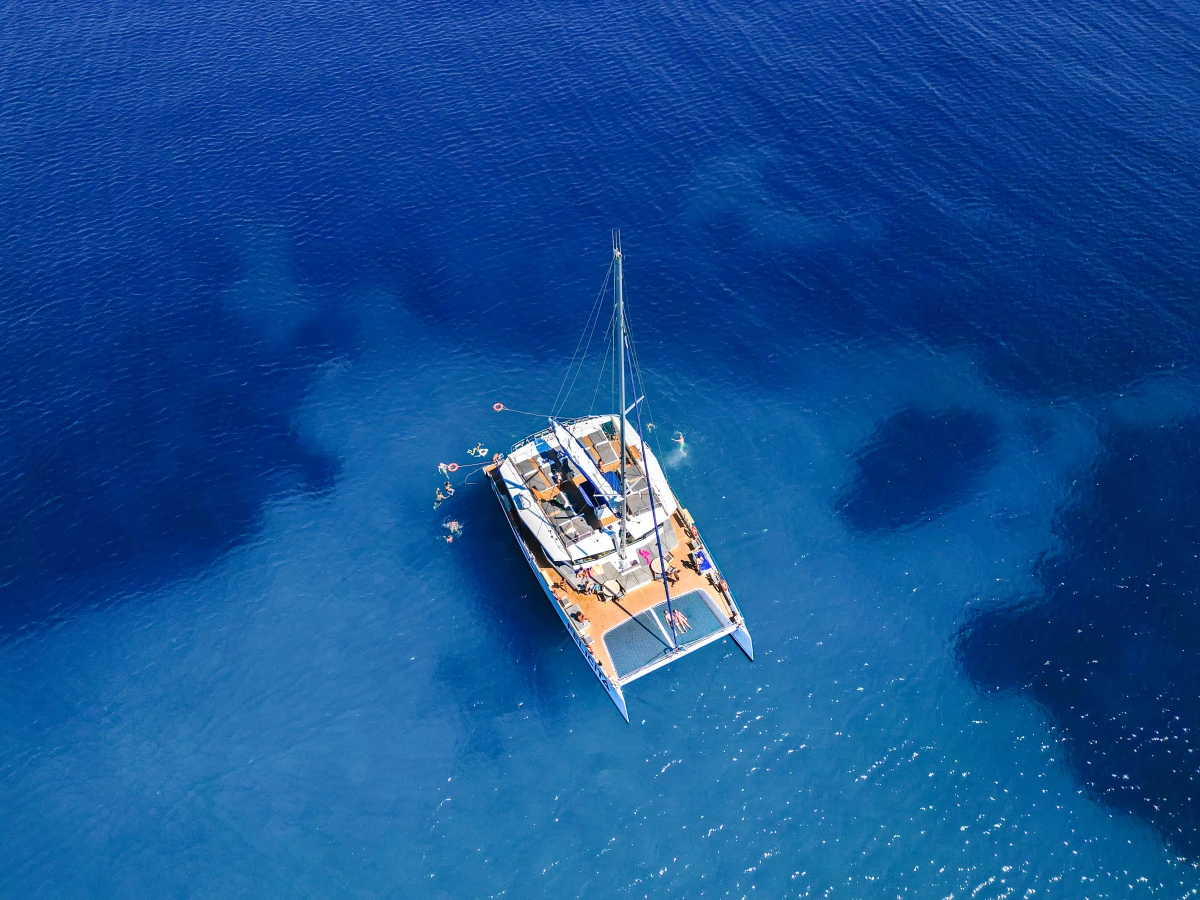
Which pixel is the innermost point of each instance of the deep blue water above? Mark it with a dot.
(919, 284)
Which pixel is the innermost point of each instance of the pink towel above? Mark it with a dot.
(645, 554)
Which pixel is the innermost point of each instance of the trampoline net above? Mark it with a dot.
(646, 638)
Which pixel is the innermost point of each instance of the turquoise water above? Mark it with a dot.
(917, 284)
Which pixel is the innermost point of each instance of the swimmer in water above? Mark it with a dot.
(454, 527)
(438, 498)
(449, 489)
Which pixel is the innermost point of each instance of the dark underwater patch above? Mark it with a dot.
(1111, 650)
(916, 466)
(141, 440)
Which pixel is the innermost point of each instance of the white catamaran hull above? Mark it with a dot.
(614, 691)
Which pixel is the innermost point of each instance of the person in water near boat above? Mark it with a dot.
(678, 441)
(449, 489)
(478, 450)
(454, 527)
(438, 498)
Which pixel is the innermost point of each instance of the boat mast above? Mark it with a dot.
(619, 291)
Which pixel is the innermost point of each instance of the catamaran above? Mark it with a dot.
(621, 560)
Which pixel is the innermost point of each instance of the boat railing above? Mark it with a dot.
(545, 431)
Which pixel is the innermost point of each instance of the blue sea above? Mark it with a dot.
(918, 281)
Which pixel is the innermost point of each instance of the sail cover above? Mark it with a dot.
(583, 462)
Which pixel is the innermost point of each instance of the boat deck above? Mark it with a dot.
(633, 627)
(607, 615)
(564, 495)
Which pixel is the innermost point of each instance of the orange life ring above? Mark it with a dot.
(724, 586)
(453, 467)
(498, 407)
(695, 531)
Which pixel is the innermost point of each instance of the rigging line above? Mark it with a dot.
(524, 413)
(582, 360)
(589, 329)
(640, 381)
(603, 365)
(662, 563)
